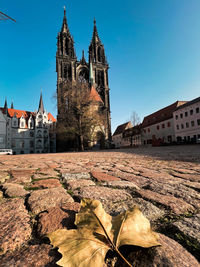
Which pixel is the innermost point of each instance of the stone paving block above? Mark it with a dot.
(190, 227)
(21, 175)
(193, 185)
(82, 175)
(44, 199)
(4, 175)
(15, 227)
(114, 201)
(73, 184)
(121, 185)
(186, 176)
(138, 180)
(14, 190)
(189, 195)
(148, 209)
(100, 177)
(169, 254)
(57, 218)
(43, 173)
(177, 205)
(32, 256)
(47, 183)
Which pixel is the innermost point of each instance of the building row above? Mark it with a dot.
(176, 123)
(27, 132)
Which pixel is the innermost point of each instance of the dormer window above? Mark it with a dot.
(22, 124)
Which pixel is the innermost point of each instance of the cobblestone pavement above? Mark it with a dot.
(41, 193)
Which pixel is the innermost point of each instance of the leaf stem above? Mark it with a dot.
(118, 252)
(111, 242)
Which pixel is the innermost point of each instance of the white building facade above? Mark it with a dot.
(2, 130)
(28, 132)
(158, 128)
(187, 121)
(118, 137)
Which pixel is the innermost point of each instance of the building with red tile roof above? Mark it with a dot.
(27, 131)
(158, 127)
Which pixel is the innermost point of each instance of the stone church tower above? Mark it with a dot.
(68, 68)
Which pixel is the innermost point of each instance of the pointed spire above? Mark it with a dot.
(41, 105)
(83, 56)
(83, 61)
(12, 105)
(95, 37)
(64, 25)
(91, 76)
(5, 104)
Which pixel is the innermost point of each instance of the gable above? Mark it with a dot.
(2, 119)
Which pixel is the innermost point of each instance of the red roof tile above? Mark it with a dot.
(51, 117)
(162, 114)
(94, 96)
(26, 114)
(19, 113)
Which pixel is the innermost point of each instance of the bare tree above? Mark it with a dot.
(80, 116)
(135, 119)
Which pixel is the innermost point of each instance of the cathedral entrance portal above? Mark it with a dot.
(100, 139)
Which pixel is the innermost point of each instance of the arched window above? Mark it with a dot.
(67, 72)
(84, 75)
(99, 54)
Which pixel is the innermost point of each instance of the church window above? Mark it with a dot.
(65, 72)
(102, 78)
(15, 123)
(66, 46)
(107, 77)
(40, 124)
(84, 75)
(99, 54)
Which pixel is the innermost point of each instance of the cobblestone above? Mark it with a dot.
(161, 181)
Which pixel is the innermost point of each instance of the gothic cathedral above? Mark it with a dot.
(68, 68)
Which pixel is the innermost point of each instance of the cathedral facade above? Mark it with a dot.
(95, 72)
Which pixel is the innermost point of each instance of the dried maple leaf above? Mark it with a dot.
(97, 232)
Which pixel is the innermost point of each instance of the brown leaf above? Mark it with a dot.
(78, 248)
(98, 232)
(132, 228)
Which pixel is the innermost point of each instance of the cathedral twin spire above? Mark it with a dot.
(66, 44)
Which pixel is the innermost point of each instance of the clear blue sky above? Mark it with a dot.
(152, 46)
